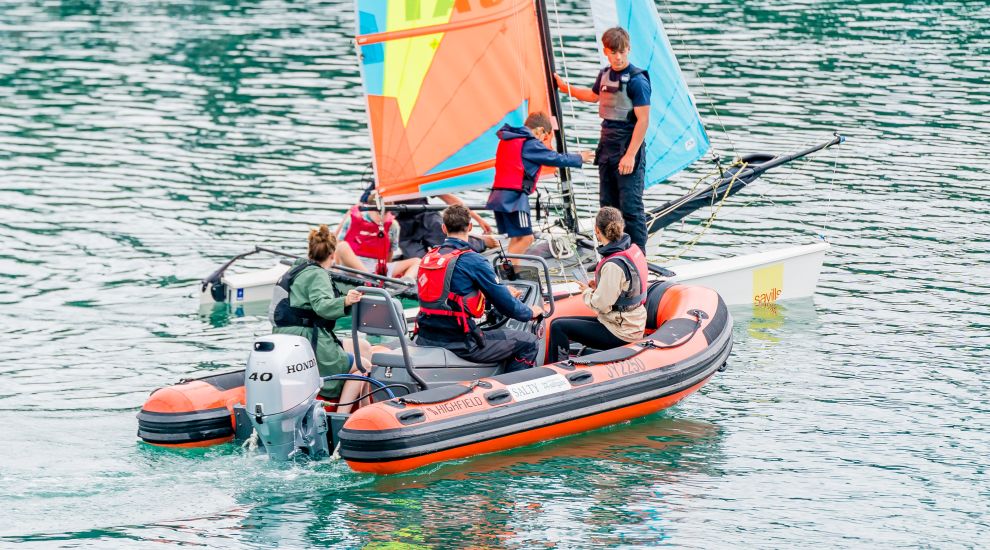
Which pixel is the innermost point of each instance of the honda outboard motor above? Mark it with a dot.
(281, 384)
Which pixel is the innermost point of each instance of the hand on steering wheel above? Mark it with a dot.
(493, 318)
(537, 311)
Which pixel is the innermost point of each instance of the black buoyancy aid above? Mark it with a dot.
(418, 231)
(282, 314)
(633, 264)
(510, 173)
(433, 286)
(614, 102)
(369, 239)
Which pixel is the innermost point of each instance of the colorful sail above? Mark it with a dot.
(675, 137)
(441, 77)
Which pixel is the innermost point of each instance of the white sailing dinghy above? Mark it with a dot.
(441, 77)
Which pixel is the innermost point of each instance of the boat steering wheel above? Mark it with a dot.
(493, 318)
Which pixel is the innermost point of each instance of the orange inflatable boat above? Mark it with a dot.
(193, 413)
(691, 340)
(466, 409)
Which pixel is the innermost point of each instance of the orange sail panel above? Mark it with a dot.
(441, 77)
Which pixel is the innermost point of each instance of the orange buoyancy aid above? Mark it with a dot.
(510, 173)
(369, 239)
(433, 288)
(633, 263)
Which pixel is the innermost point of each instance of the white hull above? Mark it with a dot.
(252, 286)
(759, 278)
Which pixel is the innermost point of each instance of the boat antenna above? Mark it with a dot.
(506, 265)
(567, 189)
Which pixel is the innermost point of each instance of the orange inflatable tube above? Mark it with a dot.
(691, 341)
(192, 413)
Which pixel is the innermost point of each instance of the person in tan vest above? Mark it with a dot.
(617, 295)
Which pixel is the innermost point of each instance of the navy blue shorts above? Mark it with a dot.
(514, 224)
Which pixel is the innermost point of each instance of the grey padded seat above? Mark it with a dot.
(380, 314)
(426, 357)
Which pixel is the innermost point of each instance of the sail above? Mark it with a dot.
(675, 137)
(441, 77)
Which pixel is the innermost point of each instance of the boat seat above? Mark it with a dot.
(427, 357)
(379, 314)
(654, 294)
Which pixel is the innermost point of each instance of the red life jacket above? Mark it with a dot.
(369, 239)
(633, 263)
(433, 287)
(509, 171)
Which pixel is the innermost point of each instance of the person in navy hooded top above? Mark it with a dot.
(522, 152)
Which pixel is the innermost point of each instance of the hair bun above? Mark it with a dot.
(322, 244)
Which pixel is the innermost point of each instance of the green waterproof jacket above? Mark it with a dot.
(313, 290)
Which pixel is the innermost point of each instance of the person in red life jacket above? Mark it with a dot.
(368, 242)
(617, 295)
(622, 92)
(522, 152)
(453, 283)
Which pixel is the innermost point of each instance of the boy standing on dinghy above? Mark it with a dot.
(622, 92)
(453, 283)
(522, 152)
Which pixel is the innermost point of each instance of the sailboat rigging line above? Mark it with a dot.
(831, 188)
(567, 76)
(691, 195)
(704, 89)
(521, 80)
(567, 190)
(711, 218)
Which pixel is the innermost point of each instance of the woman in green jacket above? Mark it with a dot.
(307, 303)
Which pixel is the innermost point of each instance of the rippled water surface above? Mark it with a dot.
(142, 143)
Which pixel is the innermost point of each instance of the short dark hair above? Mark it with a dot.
(456, 218)
(539, 119)
(616, 39)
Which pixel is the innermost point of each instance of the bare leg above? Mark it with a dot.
(346, 257)
(355, 388)
(519, 245)
(352, 390)
(367, 385)
(366, 350)
(406, 268)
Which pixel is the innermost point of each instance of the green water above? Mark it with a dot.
(143, 143)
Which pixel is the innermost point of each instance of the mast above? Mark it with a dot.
(570, 205)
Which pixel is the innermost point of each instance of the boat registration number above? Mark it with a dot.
(530, 389)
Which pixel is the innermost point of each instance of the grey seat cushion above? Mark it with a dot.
(425, 357)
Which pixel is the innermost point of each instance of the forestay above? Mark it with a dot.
(440, 78)
(675, 137)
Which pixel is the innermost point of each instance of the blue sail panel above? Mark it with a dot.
(676, 136)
